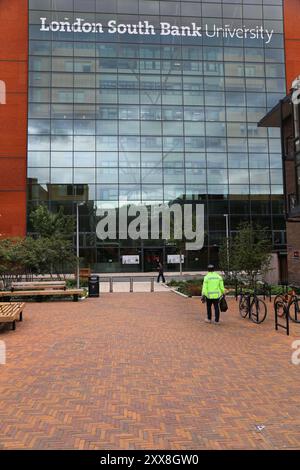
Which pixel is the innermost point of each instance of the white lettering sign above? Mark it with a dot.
(132, 259)
(80, 25)
(175, 259)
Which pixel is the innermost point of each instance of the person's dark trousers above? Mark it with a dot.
(215, 303)
(161, 275)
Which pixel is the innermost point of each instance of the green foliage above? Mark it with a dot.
(276, 290)
(194, 287)
(249, 252)
(173, 283)
(48, 253)
(28, 257)
(191, 288)
(72, 283)
(48, 225)
(53, 249)
(11, 256)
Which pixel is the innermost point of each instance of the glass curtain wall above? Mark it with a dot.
(119, 119)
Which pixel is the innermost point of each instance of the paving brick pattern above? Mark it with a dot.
(143, 371)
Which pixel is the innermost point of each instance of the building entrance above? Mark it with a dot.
(151, 257)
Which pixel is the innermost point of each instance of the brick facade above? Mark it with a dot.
(293, 237)
(13, 116)
(292, 49)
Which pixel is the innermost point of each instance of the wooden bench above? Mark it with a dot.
(38, 285)
(84, 273)
(75, 293)
(11, 312)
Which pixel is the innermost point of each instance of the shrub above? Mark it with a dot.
(72, 283)
(190, 288)
(194, 290)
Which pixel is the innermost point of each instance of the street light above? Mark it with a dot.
(227, 240)
(77, 241)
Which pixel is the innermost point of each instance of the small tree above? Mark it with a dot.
(11, 259)
(47, 224)
(61, 254)
(53, 246)
(249, 252)
(49, 252)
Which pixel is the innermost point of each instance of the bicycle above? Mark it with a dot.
(253, 307)
(287, 304)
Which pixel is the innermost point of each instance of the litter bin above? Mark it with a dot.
(94, 286)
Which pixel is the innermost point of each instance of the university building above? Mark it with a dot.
(111, 103)
(285, 116)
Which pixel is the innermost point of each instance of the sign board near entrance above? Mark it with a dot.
(132, 259)
(175, 259)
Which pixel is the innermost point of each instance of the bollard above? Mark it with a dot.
(152, 285)
(111, 285)
(131, 284)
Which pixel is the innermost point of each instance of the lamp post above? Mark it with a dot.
(227, 240)
(77, 243)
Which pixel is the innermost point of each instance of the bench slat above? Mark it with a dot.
(28, 283)
(38, 285)
(9, 312)
(41, 292)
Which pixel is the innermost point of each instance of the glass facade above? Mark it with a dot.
(126, 118)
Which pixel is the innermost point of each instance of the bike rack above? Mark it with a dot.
(280, 325)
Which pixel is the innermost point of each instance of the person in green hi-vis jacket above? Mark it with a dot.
(212, 291)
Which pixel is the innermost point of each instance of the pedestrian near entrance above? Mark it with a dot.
(160, 268)
(212, 291)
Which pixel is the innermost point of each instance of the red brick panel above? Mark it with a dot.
(15, 76)
(14, 29)
(12, 174)
(13, 116)
(12, 210)
(292, 40)
(292, 18)
(293, 236)
(13, 126)
(292, 61)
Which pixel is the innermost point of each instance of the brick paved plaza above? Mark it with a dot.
(143, 371)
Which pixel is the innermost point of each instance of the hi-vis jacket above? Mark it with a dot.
(213, 286)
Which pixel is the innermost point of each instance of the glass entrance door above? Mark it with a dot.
(151, 257)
